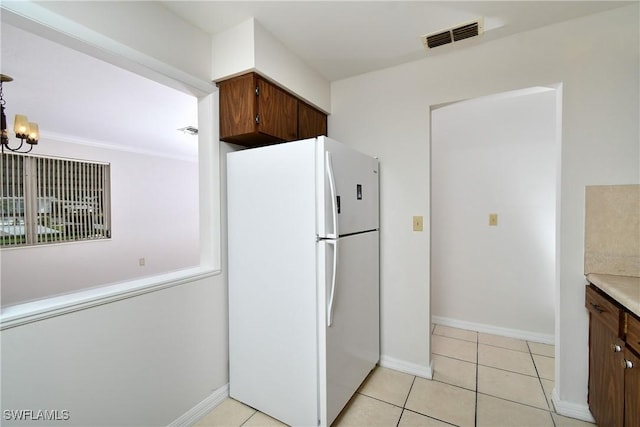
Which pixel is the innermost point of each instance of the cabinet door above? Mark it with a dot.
(278, 112)
(603, 310)
(632, 390)
(606, 376)
(237, 106)
(311, 122)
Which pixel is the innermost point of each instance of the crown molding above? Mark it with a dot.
(114, 147)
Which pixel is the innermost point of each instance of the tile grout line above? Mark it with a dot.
(551, 409)
(532, 356)
(432, 417)
(255, 411)
(404, 405)
(475, 421)
(537, 375)
(404, 408)
(378, 399)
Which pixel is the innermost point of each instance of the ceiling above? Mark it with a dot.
(70, 93)
(345, 38)
(74, 96)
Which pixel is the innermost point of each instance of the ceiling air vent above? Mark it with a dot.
(451, 35)
(189, 130)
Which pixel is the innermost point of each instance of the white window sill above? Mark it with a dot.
(21, 314)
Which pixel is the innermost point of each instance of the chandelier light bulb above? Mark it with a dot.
(21, 126)
(34, 133)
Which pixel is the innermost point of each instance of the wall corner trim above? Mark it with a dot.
(407, 367)
(34, 311)
(571, 409)
(207, 404)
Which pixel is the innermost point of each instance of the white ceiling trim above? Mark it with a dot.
(53, 136)
(41, 21)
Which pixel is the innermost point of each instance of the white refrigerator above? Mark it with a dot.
(303, 277)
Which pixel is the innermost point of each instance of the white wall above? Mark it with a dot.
(250, 47)
(233, 50)
(278, 63)
(153, 358)
(495, 154)
(147, 360)
(142, 361)
(154, 209)
(142, 37)
(386, 113)
(147, 27)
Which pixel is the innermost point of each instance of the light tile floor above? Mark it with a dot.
(479, 380)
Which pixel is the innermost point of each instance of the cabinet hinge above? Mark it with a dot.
(257, 90)
(257, 119)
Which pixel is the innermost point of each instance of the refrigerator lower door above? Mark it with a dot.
(352, 341)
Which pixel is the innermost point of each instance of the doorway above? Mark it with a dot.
(494, 191)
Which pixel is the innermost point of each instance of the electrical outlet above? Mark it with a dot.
(493, 219)
(141, 262)
(417, 223)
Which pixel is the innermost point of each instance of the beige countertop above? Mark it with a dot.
(624, 289)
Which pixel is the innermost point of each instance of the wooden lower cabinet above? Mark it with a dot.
(632, 390)
(614, 364)
(632, 372)
(606, 378)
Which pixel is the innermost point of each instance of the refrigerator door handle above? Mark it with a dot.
(332, 188)
(332, 292)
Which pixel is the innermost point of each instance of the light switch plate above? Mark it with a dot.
(417, 223)
(493, 219)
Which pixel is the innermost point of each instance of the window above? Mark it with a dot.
(51, 200)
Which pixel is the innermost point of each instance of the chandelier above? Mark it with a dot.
(25, 131)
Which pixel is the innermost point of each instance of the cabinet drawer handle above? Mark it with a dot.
(616, 348)
(627, 364)
(597, 308)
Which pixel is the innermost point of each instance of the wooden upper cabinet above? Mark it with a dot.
(311, 122)
(237, 101)
(277, 112)
(254, 111)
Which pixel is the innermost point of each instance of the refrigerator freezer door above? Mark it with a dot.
(353, 340)
(273, 346)
(354, 177)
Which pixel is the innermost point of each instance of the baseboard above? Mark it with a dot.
(407, 367)
(571, 409)
(194, 414)
(495, 330)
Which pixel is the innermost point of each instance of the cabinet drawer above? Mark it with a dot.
(603, 310)
(633, 332)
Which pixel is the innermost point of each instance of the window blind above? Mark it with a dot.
(52, 200)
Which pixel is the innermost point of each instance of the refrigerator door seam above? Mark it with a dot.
(332, 187)
(332, 293)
